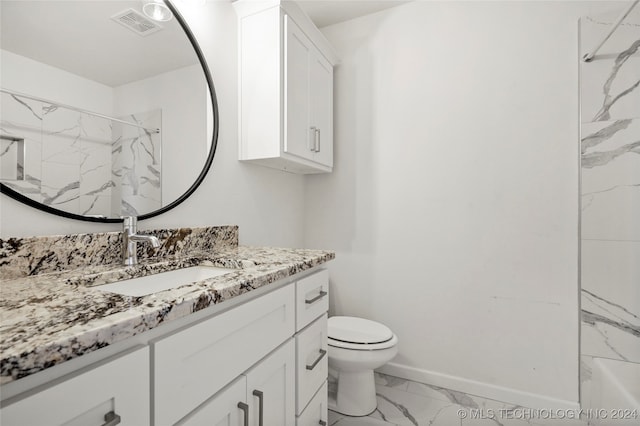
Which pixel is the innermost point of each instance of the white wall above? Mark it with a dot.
(453, 206)
(266, 204)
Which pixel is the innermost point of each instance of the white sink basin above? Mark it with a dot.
(163, 281)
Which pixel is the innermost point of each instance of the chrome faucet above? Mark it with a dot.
(129, 239)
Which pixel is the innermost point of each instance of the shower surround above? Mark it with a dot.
(79, 162)
(610, 199)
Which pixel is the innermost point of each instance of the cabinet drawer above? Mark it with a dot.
(312, 298)
(192, 365)
(312, 365)
(120, 387)
(316, 411)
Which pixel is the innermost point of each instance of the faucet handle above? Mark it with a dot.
(130, 223)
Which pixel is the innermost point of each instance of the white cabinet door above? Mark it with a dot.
(321, 107)
(227, 408)
(309, 99)
(299, 136)
(101, 395)
(193, 364)
(271, 388)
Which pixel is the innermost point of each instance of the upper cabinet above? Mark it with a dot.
(286, 88)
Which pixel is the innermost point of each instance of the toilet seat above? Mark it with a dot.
(359, 334)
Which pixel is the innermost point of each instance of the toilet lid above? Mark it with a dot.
(357, 330)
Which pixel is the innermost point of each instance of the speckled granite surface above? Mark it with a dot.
(21, 257)
(48, 318)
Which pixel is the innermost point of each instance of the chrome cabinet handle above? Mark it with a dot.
(315, 299)
(312, 141)
(322, 354)
(111, 419)
(245, 408)
(260, 396)
(322, 423)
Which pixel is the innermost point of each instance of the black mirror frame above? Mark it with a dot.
(214, 142)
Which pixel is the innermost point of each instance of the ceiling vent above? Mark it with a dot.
(136, 22)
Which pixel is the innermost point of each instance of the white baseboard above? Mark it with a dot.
(472, 387)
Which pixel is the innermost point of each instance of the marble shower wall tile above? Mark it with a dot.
(68, 154)
(11, 157)
(610, 300)
(83, 142)
(611, 180)
(60, 186)
(22, 119)
(611, 276)
(20, 257)
(82, 163)
(610, 192)
(610, 263)
(609, 88)
(137, 165)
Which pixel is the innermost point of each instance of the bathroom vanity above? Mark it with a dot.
(245, 347)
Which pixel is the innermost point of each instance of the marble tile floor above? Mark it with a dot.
(406, 403)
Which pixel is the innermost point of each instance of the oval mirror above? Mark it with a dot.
(107, 108)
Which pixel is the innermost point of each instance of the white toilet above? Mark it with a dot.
(356, 347)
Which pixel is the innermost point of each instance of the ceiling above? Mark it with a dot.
(80, 37)
(328, 12)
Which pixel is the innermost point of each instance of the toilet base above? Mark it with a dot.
(356, 394)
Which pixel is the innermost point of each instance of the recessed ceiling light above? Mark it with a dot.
(157, 10)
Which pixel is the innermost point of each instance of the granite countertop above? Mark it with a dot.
(53, 317)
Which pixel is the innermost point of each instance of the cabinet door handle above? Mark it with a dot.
(312, 140)
(322, 354)
(315, 299)
(322, 423)
(260, 396)
(245, 408)
(318, 140)
(111, 419)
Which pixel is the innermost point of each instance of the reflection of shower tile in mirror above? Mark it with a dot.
(95, 205)
(61, 135)
(11, 158)
(138, 163)
(94, 171)
(611, 180)
(29, 188)
(614, 70)
(21, 119)
(57, 189)
(95, 165)
(116, 172)
(21, 111)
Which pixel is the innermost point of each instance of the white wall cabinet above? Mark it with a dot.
(240, 363)
(286, 88)
(111, 393)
